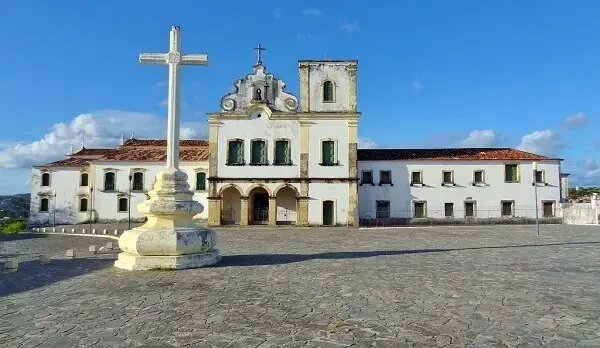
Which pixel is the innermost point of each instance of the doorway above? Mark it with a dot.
(260, 208)
(328, 213)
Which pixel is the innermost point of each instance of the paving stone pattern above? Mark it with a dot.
(483, 286)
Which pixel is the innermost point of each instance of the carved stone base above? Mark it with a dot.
(143, 263)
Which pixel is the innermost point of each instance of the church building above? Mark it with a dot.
(273, 158)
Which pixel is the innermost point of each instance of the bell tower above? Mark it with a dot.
(328, 85)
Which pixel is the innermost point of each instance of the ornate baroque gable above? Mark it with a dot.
(259, 87)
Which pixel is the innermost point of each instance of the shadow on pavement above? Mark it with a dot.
(20, 236)
(278, 259)
(32, 274)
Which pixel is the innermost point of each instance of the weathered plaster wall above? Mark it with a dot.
(319, 192)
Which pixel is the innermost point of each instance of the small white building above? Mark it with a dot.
(277, 159)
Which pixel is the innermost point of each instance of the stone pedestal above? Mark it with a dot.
(170, 239)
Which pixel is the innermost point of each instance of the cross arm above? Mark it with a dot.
(194, 59)
(153, 58)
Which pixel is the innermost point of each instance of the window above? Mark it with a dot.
(109, 181)
(548, 209)
(367, 177)
(328, 92)
(383, 210)
(385, 177)
(416, 178)
(46, 179)
(282, 153)
(448, 209)
(123, 204)
(328, 153)
(258, 155)
(200, 181)
(540, 177)
(138, 181)
(478, 177)
(419, 209)
(83, 181)
(508, 208)
(447, 177)
(83, 204)
(235, 154)
(44, 205)
(470, 209)
(511, 172)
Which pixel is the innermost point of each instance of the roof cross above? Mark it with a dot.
(259, 49)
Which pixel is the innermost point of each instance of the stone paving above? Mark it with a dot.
(483, 286)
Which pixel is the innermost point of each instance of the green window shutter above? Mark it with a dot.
(240, 151)
(328, 152)
(233, 152)
(201, 181)
(279, 152)
(328, 91)
(258, 152)
(263, 152)
(511, 172)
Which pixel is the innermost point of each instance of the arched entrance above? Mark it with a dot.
(286, 206)
(231, 206)
(258, 206)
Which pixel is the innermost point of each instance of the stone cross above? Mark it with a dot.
(174, 59)
(259, 50)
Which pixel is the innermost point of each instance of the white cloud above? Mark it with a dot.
(480, 138)
(163, 102)
(586, 173)
(416, 85)
(277, 13)
(351, 27)
(311, 11)
(367, 143)
(543, 142)
(100, 129)
(579, 120)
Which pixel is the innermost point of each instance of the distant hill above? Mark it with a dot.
(15, 205)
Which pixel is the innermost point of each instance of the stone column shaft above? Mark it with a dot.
(244, 211)
(272, 211)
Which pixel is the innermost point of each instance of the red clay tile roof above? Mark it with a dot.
(186, 154)
(461, 154)
(69, 162)
(91, 152)
(163, 142)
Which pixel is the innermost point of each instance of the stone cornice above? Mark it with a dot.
(313, 116)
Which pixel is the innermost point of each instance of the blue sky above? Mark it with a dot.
(431, 73)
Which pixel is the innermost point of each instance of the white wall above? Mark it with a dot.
(338, 74)
(65, 208)
(319, 192)
(488, 197)
(106, 203)
(328, 129)
(259, 128)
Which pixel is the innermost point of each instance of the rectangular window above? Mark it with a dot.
(258, 154)
(385, 177)
(548, 209)
(447, 177)
(478, 177)
(508, 208)
(84, 179)
(539, 177)
(200, 181)
(419, 209)
(138, 181)
(469, 209)
(109, 181)
(123, 204)
(83, 204)
(282, 152)
(367, 177)
(44, 205)
(448, 209)
(511, 172)
(383, 210)
(235, 154)
(328, 153)
(416, 178)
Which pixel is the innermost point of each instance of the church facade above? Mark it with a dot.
(276, 159)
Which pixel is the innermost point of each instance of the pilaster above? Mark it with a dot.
(272, 211)
(214, 211)
(213, 148)
(304, 148)
(244, 211)
(302, 211)
(304, 87)
(353, 204)
(353, 86)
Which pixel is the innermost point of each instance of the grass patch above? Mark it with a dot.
(13, 227)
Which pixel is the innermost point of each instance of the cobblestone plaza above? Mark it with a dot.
(483, 286)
